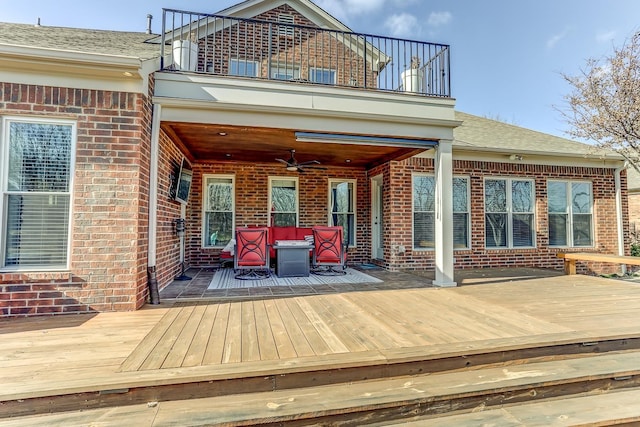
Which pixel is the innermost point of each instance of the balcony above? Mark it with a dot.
(256, 49)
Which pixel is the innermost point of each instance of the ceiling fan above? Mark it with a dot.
(293, 165)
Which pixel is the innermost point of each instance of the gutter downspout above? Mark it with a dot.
(619, 218)
(154, 295)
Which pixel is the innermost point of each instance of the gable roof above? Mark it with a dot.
(482, 134)
(116, 43)
(314, 13)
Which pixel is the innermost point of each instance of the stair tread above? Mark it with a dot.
(615, 406)
(339, 399)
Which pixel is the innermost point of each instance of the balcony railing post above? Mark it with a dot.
(163, 38)
(269, 50)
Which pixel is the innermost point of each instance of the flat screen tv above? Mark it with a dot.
(183, 186)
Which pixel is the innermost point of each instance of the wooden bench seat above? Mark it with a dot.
(570, 259)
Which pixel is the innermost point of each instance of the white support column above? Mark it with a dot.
(444, 215)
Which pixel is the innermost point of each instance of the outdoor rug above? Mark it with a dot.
(225, 279)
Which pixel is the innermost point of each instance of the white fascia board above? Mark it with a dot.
(188, 111)
(52, 67)
(250, 9)
(527, 153)
(251, 94)
(532, 158)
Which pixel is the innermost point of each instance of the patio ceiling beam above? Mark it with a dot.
(365, 140)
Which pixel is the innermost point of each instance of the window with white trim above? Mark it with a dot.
(570, 213)
(243, 68)
(37, 169)
(322, 75)
(219, 207)
(283, 201)
(284, 72)
(509, 212)
(424, 202)
(342, 207)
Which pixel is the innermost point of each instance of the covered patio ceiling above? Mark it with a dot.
(217, 143)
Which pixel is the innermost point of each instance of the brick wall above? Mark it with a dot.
(604, 215)
(109, 214)
(304, 50)
(168, 242)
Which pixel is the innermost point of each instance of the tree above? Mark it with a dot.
(604, 105)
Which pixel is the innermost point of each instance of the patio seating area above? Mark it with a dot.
(140, 364)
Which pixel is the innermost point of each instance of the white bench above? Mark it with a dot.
(570, 259)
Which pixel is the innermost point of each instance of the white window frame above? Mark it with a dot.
(509, 212)
(413, 211)
(468, 212)
(353, 203)
(569, 212)
(238, 61)
(205, 178)
(4, 192)
(322, 69)
(285, 68)
(269, 205)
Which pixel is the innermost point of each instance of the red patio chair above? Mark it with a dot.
(252, 253)
(329, 251)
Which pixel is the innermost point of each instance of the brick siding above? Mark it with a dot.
(110, 203)
(306, 50)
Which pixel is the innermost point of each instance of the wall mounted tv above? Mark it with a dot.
(183, 185)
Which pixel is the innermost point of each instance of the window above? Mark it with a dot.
(509, 216)
(342, 205)
(424, 202)
(461, 213)
(285, 72)
(322, 75)
(424, 206)
(285, 20)
(243, 67)
(283, 199)
(570, 213)
(36, 194)
(218, 208)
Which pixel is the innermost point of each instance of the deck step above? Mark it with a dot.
(395, 399)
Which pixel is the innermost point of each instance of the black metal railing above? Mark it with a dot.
(222, 45)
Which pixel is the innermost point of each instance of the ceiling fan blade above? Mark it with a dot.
(283, 161)
(319, 168)
(310, 162)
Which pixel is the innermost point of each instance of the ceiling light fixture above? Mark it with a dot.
(222, 133)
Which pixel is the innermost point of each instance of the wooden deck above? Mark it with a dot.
(199, 341)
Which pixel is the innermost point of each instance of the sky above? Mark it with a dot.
(507, 56)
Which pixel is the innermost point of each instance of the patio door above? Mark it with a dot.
(377, 225)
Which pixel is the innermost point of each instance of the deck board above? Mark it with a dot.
(198, 347)
(224, 338)
(284, 347)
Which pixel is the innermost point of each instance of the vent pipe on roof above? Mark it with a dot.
(38, 23)
(149, 18)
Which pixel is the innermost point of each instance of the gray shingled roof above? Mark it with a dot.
(491, 135)
(119, 43)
